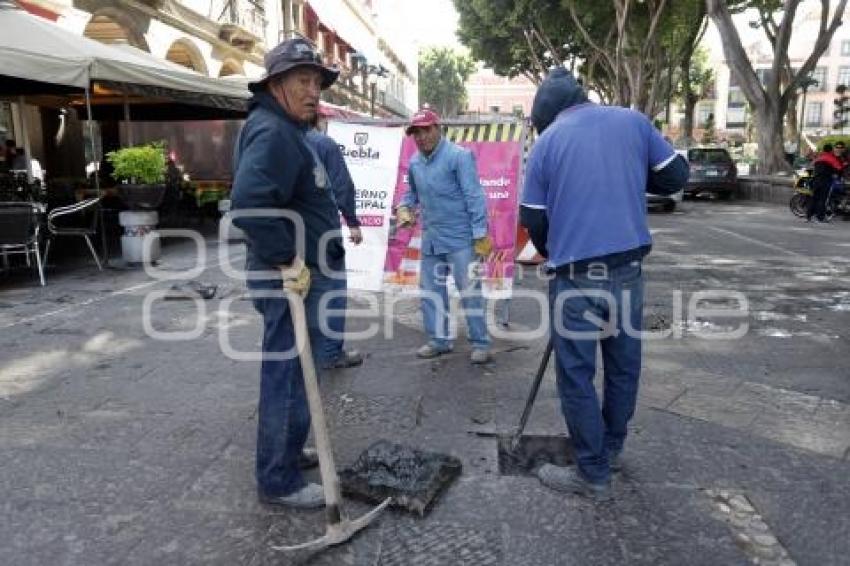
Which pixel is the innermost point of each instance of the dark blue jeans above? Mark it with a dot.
(614, 297)
(325, 348)
(284, 416)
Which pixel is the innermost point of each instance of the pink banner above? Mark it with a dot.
(498, 168)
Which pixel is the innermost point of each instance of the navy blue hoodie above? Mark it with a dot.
(558, 92)
(274, 169)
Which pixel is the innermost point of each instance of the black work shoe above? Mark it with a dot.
(308, 458)
(311, 496)
(347, 359)
(569, 480)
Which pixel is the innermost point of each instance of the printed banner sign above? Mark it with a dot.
(498, 153)
(372, 156)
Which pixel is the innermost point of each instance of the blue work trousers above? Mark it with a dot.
(435, 269)
(598, 307)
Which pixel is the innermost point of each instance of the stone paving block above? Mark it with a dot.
(226, 486)
(408, 542)
(659, 390)
(69, 532)
(734, 412)
(803, 431)
(74, 475)
(811, 523)
(778, 400)
(179, 536)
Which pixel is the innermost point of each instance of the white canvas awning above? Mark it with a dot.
(35, 51)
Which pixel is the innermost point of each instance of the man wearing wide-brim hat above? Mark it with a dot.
(276, 172)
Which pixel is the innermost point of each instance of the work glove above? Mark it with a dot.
(404, 217)
(355, 235)
(296, 277)
(483, 246)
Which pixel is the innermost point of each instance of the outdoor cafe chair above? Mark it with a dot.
(86, 215)
(19, 233)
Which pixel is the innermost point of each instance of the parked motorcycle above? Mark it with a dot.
(838, 200)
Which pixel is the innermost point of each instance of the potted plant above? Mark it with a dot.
(141, 170)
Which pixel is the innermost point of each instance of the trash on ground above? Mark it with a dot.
(190, 290)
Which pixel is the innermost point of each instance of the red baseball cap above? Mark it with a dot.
(422, 119)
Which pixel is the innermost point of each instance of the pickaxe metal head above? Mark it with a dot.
(337, 532)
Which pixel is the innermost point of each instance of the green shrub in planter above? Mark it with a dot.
(142, 164)
(142, 170)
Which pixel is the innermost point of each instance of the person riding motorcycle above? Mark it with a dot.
(827, 166)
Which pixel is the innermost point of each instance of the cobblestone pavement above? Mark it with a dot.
(121, 449)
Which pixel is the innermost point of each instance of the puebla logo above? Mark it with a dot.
(362, 151)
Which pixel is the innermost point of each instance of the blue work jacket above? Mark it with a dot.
(446, 186)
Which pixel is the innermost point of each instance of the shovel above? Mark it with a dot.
(532, 395)
(339, 528)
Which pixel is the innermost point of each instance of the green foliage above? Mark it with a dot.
(528, 37)
(143, 164)
(832, 139)
(701, 76)
(495, 33)
(443, 73)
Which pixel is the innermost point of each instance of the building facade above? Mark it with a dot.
(221, 38)
(379, 70)
(490, 94)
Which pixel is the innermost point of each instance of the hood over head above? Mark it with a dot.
(558, 92)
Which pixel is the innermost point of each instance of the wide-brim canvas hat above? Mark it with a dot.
(290, 54)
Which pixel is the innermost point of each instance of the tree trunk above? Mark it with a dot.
(689, 98)
(791, 130)
(770, 152)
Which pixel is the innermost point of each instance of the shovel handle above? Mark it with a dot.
(532, 395)
(327, 467)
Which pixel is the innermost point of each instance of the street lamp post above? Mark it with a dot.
(806, 84)
(371, 75)
(373, 90)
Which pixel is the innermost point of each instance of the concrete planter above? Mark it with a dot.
(762, 188)
(139, 229)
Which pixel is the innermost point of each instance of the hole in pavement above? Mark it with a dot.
(533, 451)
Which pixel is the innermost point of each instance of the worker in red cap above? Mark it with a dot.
(443, 182)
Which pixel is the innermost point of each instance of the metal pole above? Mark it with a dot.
(127, 124)
(25, 135)
(104, 247)
(372, 89)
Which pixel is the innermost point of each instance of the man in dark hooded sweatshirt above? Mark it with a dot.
(282, 201)
(584, 205)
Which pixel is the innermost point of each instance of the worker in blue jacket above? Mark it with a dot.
(329, 352)
(282, 201)
(443, 182)
(584, 205)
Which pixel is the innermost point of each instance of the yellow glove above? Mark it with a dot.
(404, 217)
(483, 246)
(296, 276)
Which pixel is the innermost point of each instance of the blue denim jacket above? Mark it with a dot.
(446, 186)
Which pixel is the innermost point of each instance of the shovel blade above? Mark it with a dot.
(337, 533)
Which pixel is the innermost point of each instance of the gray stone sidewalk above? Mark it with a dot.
(121, 449)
